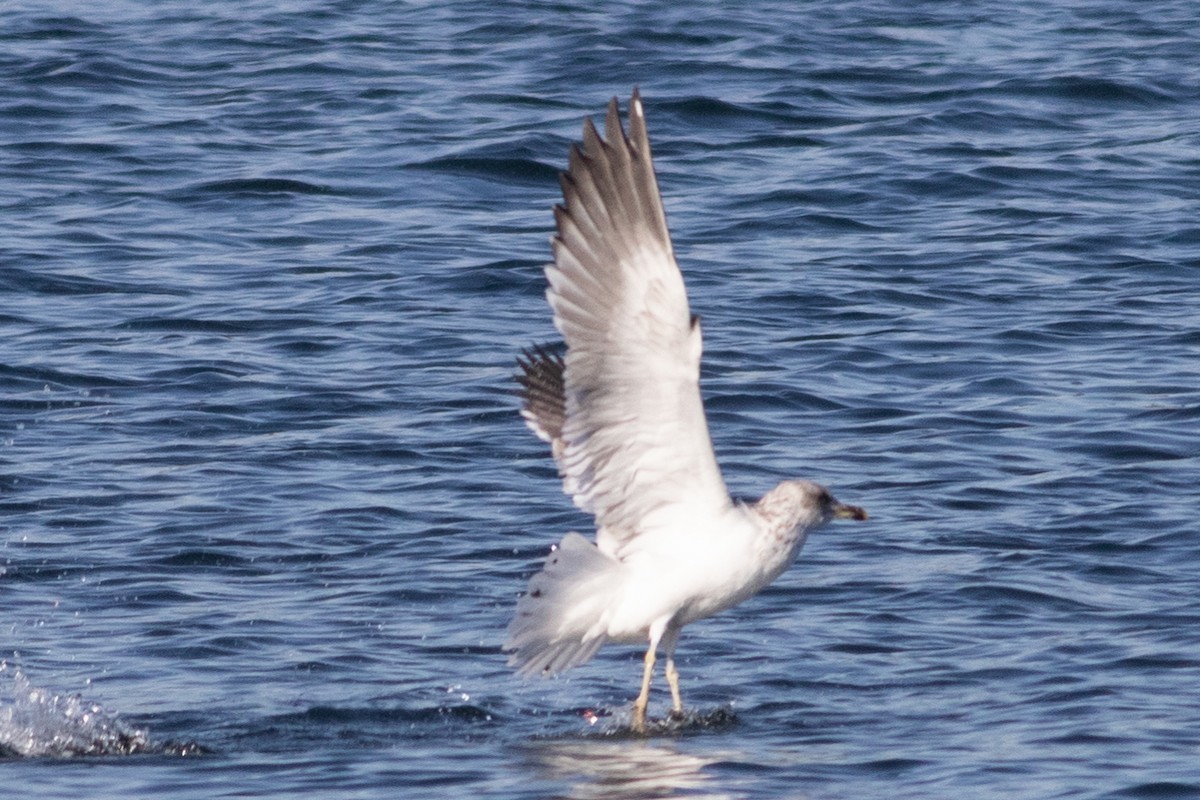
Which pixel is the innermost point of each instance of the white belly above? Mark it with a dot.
(688, 570)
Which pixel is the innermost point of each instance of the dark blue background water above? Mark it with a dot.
(264, 268)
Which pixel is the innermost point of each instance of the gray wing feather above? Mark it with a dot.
(627, 423)
(543, 401)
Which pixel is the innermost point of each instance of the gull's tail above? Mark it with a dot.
(561, 620)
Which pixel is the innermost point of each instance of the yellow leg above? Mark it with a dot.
(643, 699)
(673, 680)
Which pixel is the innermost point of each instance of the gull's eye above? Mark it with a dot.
(825, 498)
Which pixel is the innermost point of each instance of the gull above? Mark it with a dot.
(623, 415)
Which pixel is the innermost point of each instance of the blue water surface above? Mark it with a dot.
(266, 503)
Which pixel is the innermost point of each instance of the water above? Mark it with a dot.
(266, 505)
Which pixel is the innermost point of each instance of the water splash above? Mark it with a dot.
(35, 722)
(606, 723)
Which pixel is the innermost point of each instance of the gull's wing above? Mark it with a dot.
(543, 395)
(630, 435)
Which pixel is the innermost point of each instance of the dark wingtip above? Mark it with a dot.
(613, 130)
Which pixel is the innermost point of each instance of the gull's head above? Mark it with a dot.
(803, 505)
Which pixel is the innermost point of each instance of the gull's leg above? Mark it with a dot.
(657, 628)
(673, 680)
(643, 699)
(669, 641)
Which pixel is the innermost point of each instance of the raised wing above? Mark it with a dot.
(633, 439)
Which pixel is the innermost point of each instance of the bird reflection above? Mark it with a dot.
(623, 769)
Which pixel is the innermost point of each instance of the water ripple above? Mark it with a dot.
(263, 485)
